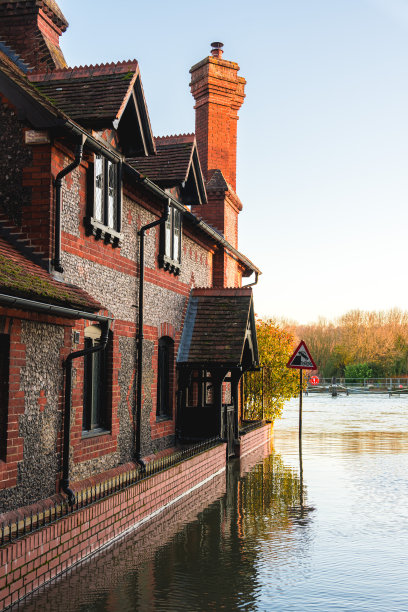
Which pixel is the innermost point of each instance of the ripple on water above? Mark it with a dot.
(328, 538)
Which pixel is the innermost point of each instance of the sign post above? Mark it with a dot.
(301, 360)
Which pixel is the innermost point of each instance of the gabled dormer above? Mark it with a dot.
(175, 167)
(103, 97)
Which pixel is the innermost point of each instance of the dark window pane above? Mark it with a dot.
(4, 391)
(164, 370)
(94, 387)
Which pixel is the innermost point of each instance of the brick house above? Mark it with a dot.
(124, 326)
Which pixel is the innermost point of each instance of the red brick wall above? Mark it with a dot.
(39, 557)
(37, 219)
(255, 439)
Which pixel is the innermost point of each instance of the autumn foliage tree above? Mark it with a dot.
(276, 345)
(373, 341)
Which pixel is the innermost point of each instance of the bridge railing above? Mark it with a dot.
(366, 383)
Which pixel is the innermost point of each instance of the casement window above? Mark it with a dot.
(104, 200)
(4, 391)
(165, 367)
(170, 242)
(95, 412)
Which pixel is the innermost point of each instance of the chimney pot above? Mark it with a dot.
(216, 50)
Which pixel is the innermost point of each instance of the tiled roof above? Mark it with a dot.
(215, 326)
(171, 164)
(89, 94)
(20, 277)
(15, 73)
(217, 181)
(50, 8)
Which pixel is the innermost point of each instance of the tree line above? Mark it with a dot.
(359, 344)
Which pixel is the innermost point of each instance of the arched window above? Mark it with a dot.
(165, 366)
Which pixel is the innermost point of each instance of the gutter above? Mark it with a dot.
(255, 282)
(140, 335)
(205, 227)
(93, 143)
(51, 309)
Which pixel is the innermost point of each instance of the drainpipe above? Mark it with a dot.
(68, 397)
(255, 282)
(58, 189)
(140, 335)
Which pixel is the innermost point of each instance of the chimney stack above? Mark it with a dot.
(219, 93)
(33, 28)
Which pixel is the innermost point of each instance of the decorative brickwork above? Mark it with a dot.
(33, 28)
(219, 93)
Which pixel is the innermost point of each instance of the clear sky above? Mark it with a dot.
(322, 136)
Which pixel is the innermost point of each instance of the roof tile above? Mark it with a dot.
(89, 94)
(171, 164)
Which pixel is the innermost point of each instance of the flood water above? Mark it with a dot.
(266, 536)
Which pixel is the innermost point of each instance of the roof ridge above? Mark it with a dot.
(73, 72)
(176, 138)
(220, 291)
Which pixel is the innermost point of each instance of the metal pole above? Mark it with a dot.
(300, 404)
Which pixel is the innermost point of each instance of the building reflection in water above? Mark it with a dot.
(201, 554)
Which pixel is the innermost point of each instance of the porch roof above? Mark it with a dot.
(219, 329)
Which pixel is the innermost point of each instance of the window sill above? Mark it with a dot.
(103, 232)
(95, 433)
(164, 417)
(170, 265)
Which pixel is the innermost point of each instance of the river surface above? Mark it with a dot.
(271, 534)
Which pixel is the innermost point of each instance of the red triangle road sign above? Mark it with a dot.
(301, 359)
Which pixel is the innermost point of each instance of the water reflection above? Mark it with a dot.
(323, 529)
(195, 558)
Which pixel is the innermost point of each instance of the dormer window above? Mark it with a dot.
(170, 242)
(104, 200)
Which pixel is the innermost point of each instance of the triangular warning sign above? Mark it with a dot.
(301, 359)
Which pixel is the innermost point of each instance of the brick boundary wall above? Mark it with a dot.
(108, 568)
(34, 560)
(254, 439)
